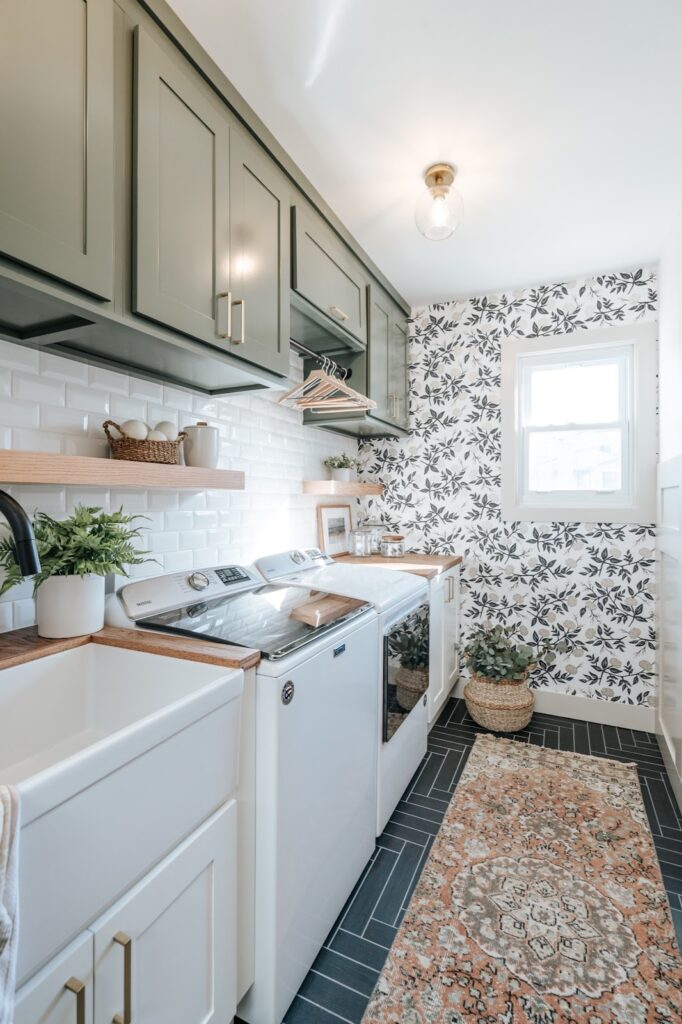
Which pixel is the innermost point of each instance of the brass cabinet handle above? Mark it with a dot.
(127, 1016)
(393, 411)
(451, 589)
(242, 329)
(338, 313)
(78, 988)
(224, 302)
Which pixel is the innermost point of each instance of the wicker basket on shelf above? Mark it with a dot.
(504, 705)
(132, 450)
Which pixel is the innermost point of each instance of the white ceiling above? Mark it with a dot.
(563, 120)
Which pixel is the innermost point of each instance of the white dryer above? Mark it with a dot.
(402, 602)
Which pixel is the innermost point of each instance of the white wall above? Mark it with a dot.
(670, 344)
(52, 404)
(669, 705)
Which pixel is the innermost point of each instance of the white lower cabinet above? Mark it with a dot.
(62, 992)
(165, 953)
(444, 638)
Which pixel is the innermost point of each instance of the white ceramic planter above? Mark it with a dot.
(343, 474)
(70, 605)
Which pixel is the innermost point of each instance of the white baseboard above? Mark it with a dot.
(587, 709)
(669, 761)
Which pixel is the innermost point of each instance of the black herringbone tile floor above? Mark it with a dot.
(341, 980)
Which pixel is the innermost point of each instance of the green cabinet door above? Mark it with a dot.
(56, 134)
(259, 257)
(378, 347)
(327, 274)
(181, 197)
(398, 402)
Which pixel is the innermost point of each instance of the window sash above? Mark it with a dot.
(624, 357)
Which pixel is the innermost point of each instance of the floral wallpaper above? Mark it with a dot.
(589, 584)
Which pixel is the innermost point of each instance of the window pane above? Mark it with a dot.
(587, 393)
(575, 460)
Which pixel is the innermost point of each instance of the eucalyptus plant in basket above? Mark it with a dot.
(76, 554)
(497, 695)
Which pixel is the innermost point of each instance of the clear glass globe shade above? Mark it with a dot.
(438, 212)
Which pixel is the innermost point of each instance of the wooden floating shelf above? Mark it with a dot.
(341, 488)
(81, 470)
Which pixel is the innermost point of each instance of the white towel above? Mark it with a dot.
(9, 899)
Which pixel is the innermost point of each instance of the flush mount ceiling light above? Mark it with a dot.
(439, 207)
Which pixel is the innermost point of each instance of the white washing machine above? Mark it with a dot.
(315, 758)
(402, 601)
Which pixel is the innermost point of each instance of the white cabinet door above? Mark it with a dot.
(444, 628)
(166, 952)
(62, 992)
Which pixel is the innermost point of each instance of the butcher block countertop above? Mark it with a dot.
(427, 566)
(25, 645)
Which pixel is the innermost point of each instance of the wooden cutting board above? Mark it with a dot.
(324, 609)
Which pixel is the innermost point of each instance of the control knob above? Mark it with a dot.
(198, 581)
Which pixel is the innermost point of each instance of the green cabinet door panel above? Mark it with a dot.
(327, 274)
(181, 197)
(378, 346)
(398, 402)
(259, 257)
(56, 134)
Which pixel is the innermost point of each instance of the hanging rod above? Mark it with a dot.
(322, 358)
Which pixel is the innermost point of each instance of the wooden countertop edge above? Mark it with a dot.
(27, 646)
(427, 566)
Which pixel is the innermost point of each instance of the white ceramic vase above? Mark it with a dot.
(70, 605)
(343, 474)
(202, 446)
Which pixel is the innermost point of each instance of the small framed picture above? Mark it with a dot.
(334, 526)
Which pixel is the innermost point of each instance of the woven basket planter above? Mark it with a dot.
(504, 705)
(411, 683)
(132, 450)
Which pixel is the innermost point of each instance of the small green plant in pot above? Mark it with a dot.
(75, 555)
(497, 695)
(412, 678)
(341, 467)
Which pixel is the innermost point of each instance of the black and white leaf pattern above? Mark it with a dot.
(590, 584)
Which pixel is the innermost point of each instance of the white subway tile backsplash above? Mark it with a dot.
(64, 421)
(87, 399)
(64, 369)
(33, 388)
(59, 405)
(35, 441)
(19, 414)
(121, 409)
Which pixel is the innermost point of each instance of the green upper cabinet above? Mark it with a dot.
(387, 374)
(259, 256)
(398, 378)
(56, 133)
(181, 197)
(326, 274)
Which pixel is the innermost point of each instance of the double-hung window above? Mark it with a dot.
(579, 426)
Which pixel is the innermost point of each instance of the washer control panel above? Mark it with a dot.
(158, 594)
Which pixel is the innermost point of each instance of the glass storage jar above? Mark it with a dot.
(377, 531)
(393, 545)
(360, 542)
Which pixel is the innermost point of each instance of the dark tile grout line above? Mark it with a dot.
(455, 733)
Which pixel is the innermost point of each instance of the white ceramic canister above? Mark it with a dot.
(202, 445)
(70, 605)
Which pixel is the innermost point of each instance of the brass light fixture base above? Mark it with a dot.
(439, 174)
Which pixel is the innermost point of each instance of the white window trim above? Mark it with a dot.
(639, 506)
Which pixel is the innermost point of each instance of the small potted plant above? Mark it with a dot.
(412, 678)
(342, 467)
(75, 555)
(497, 695)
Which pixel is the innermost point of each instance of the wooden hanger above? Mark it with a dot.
(321, 392)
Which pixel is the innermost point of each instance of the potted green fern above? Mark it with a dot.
(75, 555)
(497, 695)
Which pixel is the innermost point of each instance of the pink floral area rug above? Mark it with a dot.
(541, 902)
